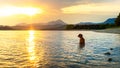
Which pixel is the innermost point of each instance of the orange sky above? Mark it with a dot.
(13, 12)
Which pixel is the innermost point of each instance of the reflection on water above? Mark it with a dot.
(31, 46)
(58, 49)
(35, 52)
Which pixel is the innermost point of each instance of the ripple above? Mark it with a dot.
(58, 49)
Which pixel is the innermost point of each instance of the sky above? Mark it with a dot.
(13, 12)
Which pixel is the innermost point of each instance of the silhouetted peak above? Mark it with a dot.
(21, 24)
(57, 22)
(110, 21)
(85, 23)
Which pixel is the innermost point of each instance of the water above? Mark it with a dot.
(58, 49)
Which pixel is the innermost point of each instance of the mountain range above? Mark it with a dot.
(108, 21)
(58, 24)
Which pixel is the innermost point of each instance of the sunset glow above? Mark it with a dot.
(89, 8)
(31, 47)
(13, 10)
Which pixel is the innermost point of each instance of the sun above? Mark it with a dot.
(31, 11)
(13, 10)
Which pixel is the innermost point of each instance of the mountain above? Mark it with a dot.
(6, 27)
(22, 24)
(110, 21)
(57, 24)
(86, 23)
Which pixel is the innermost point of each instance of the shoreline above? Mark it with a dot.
(110, 30)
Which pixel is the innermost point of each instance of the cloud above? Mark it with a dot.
(64, 3)
(55, 4)
(90, 8)
(69, 10)
(67, 6)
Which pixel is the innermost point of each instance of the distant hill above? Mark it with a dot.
(57, 24)
(5, 27)
(21, 24)
(86, 23)
(61, 25)
(52, 25)
(109, 21)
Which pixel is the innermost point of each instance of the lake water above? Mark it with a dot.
(58, 49)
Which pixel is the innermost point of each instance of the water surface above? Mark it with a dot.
(58, 49)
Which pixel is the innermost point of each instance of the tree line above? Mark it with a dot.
(95, 26)
(117, 21)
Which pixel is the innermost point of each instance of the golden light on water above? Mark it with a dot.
(31, 46)
(36, 51)
(13, 10)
